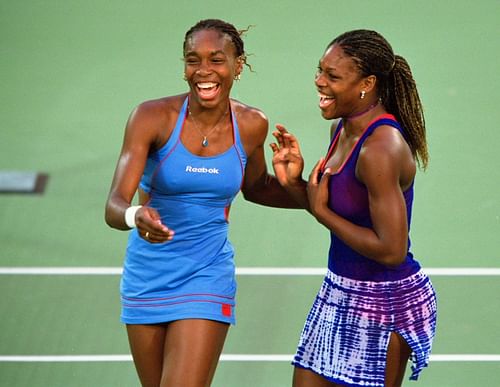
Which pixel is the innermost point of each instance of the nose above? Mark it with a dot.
(204, 68)
(319, 80)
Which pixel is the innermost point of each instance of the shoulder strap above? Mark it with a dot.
(384, 119)
(331, 145)
(180, 122)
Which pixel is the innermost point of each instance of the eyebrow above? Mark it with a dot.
(327, 68)
(212, 53)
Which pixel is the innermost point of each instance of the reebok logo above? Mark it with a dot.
(191, 169)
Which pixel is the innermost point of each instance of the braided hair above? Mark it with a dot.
(224, 28)
(396, 87)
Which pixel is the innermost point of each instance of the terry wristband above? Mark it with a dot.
(130, 215)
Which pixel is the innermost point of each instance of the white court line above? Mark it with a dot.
(285, 271)
(224, 357)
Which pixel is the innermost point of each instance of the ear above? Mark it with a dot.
(369, 83)
(239, 65)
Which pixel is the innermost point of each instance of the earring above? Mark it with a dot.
(362, 94)
(237, 77)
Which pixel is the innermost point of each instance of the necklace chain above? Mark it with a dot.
(204, 143)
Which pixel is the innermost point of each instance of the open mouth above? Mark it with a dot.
(325, 100)
(207, 90)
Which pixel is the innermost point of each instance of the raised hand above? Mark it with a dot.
(288, 162)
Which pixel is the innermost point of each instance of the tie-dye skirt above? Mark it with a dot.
(347, 331)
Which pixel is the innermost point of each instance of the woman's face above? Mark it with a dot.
(210, 65)
(339, 84)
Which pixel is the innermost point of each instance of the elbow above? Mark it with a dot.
(110, 218)
(393, 259)
(107, 217)
(247, 195)
(251, 195)
(392, 262)
(392, 253)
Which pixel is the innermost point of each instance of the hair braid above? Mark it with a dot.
(405, 101)
(395, 84)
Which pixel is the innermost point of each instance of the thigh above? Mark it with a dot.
(398, 353)
(191, 352)
(308, 378)
(146, 344)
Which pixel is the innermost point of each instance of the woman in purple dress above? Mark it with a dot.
(375, 308)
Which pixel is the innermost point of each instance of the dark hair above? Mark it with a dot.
(396, 87)
(224, 28)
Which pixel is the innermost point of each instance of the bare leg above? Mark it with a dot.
(146, 344)
(192, 350)
(398, 354)
(307, 378)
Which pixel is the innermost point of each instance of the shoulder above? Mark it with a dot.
(252, 122)
(152, 121)
(253, 126)
(157, 110)
(386, 152)
(386, 139)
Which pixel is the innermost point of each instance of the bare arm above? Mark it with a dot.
(383, 165)
(288, 165)
(259, 186)
(141, 134)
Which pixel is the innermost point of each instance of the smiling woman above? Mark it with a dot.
(188, 155)
(376, 309)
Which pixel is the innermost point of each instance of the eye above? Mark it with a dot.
(191, 60)
(332, 77)
(218, 60)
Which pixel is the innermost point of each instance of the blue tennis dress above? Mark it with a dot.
(193, 275)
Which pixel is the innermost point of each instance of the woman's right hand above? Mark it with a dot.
(150, 227)
(288, 162)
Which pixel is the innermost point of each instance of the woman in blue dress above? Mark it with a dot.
(188, 155)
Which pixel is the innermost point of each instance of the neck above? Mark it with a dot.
(363, 112)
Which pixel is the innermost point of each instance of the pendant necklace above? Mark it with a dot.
(204, 143)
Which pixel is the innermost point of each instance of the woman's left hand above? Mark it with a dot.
(317, 188)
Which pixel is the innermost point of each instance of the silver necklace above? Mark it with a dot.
(204, 143)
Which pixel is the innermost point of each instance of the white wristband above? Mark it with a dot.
(130, 215)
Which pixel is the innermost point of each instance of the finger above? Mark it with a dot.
(292, 141)
(279, 137)
(158, 237)
(317, 166)
(324, 180)
(154, 223)
(313, 177)
(326, 174)
(281, 128)
(274, 148)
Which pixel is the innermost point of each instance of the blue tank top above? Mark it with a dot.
(193, 195)
(348, 197)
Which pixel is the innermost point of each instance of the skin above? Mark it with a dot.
(385, 166)
(186, 352)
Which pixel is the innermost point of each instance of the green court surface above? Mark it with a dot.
(71, 72)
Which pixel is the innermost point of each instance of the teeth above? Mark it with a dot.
(323, 96)
(206, 85)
